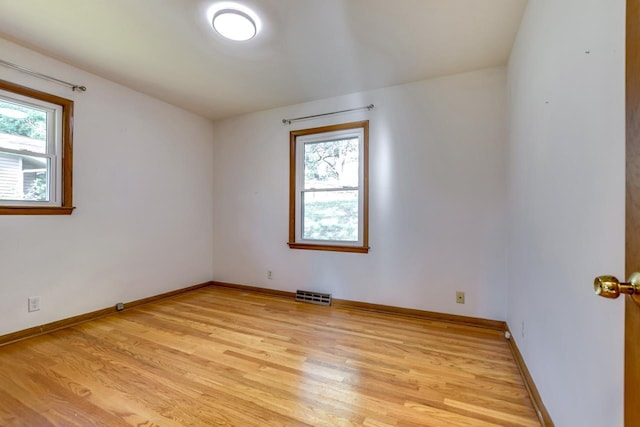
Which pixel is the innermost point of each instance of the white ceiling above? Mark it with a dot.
(308, 49)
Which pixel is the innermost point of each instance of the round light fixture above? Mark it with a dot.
(234, 24)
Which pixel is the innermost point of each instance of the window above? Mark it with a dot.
(328, 201)
(35, 152)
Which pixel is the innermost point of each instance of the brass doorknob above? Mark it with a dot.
(610, 286)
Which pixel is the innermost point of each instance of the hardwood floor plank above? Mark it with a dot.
(226, 357)
(500, 415)
(13, 412)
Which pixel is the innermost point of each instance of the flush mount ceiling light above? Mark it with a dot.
(234, 25)
(234, 22)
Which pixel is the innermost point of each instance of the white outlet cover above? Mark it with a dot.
(34, 304)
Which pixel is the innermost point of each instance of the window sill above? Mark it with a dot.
(334, 248)
(36, 210)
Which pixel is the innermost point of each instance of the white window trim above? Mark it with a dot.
(300, 179)
(53, 153)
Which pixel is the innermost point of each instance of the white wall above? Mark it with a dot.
(437, 198)
(142, 188)
(566, 191)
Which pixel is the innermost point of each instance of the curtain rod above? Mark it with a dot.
(73, 87)
(295, 119)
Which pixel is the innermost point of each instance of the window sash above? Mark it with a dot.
(53, 148)
(303, 206)
(323, 137)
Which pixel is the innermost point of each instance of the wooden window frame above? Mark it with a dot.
(65, 178)
(293, 244)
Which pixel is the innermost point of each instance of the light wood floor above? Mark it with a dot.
(223, 357)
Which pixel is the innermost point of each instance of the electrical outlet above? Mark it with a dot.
(34, 304)
(460, 297)
(269, 274)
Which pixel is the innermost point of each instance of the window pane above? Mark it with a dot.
(22, 127)
(24, 177)
(331, 164)
(330, 215)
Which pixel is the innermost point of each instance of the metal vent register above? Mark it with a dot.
(313, 297)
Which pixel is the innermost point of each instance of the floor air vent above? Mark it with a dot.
(313, 297)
